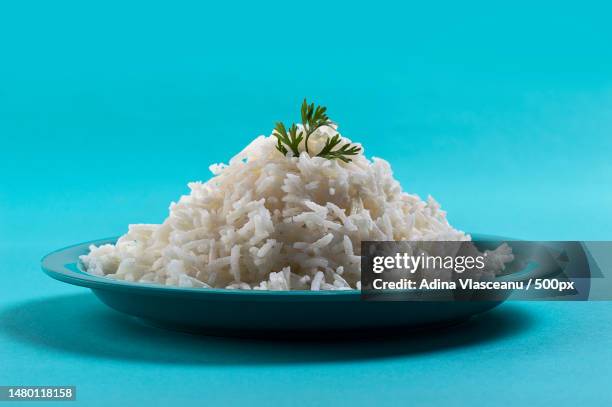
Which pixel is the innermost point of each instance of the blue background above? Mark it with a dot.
(500, 110)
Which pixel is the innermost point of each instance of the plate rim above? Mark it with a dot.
(54, 265)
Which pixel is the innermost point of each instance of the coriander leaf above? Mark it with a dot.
(313, 118)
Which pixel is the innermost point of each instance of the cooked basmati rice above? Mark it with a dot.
(270, 222)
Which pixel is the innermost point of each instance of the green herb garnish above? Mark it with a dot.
(313, 118)
(291, 139)
(340, 153)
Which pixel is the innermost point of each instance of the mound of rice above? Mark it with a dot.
(270, 222)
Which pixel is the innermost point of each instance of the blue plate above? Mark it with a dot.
(254, 313)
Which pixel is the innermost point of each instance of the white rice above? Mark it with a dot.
(270, 222)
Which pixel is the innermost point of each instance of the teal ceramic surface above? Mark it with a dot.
(240, 312)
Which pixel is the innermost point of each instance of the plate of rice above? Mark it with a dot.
(270, 242)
